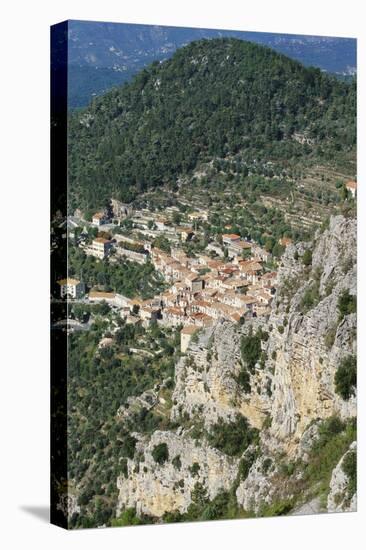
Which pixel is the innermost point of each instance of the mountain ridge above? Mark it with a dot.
(212, 99)
(109, 54)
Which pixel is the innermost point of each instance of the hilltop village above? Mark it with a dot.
(204, 290)
(230, 279)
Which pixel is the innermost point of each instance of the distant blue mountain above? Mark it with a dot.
(103, 55)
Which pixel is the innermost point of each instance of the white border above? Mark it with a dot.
(24, 363)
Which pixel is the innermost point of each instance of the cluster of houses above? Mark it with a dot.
(201, 289)
(148, 224)
(204, 290)
(226, 281)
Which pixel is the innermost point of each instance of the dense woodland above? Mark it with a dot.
(212, 100)
(99, 382)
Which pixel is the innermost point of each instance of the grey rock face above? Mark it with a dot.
(305, 366)
(258, 488)
(308, 438)
(156, 488)
(309, 508)
(206, 385)
(68, 504)
(338, 498)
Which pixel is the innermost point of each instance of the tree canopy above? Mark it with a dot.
(212, 99)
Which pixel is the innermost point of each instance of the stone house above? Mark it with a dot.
(98, 219)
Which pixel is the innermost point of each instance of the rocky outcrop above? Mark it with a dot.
(306, 362)
(146, 400)
(309, 508)
(68, 504)
(155, 488)
(339, 499)
(300, 367)
(257, 489)
(206, 384)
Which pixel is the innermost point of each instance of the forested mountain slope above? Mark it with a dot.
(102, 55)
(213, 99)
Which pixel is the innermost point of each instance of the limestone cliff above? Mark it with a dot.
(205, 379)
(155, 488)
(291, 387)
(306, 361)
(340, 498)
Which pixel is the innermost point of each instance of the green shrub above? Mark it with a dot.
(263, 359)
(124, 469)
(307, 258)
(347, 265)
(246, 463)
(330, 337)
(333, 442)
(278, 250)
(232, 438)
(128, 446)
(173, 517)
(243, 379)
(251, 349)
(346, 377)
(329, 288)
(267, 463)
(349, 467)
(195, 468)
(197, 430)
(86, 496)
(287, 469)
(128, 517)
(281, 508)
(160, 453)
(218, 507)
(199, 494)
(177, 463)
(325, 224)
(328, 429)
(310, 298)
(346, 304)
(223, 506)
